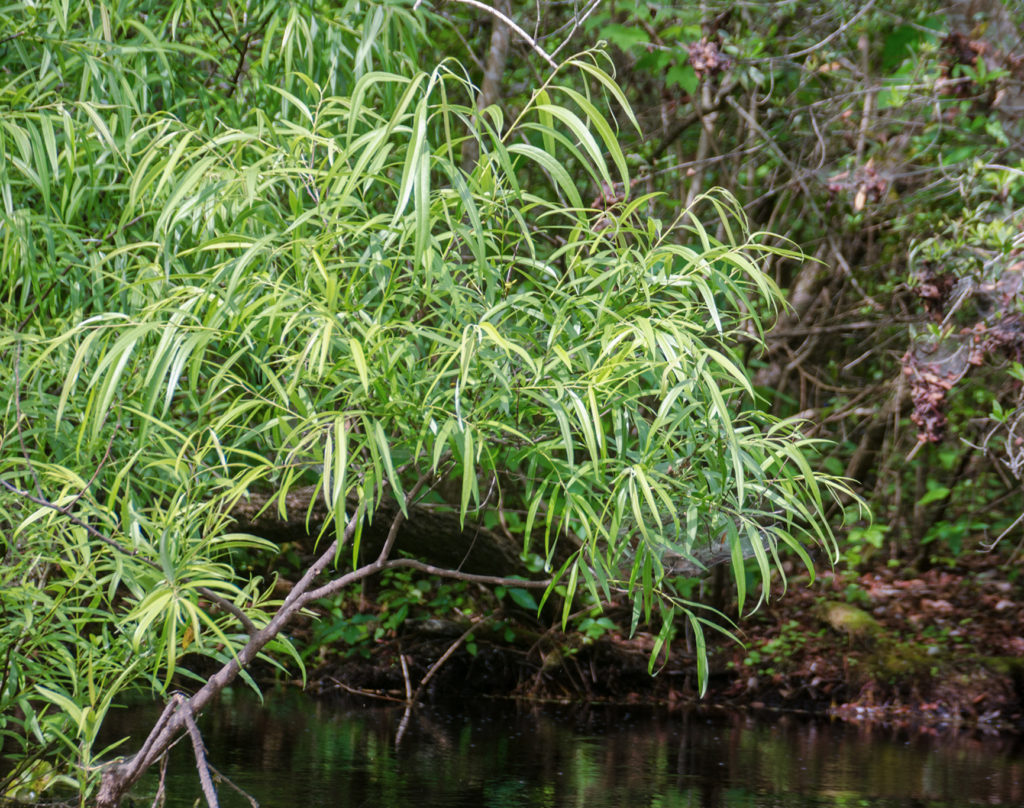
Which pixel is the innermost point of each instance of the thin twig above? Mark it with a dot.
(489, 580)
(447, 655)
(1003, 535)
(577, 22)
(403, 724)
(240, 67)
(822, 329)
(844, 265)
(868, 103)
(209, 791)
(76, 521)
(355, 691)
(42, 298)
(405, 677)
(510, 23)
(18, 418)
(231, 784)
(161, 790)
(161, 722)
(229, 607)
(224, 33)
(819, 45)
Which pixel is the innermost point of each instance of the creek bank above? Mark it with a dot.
(935, 648)
(938, 647)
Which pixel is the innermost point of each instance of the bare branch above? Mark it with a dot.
(405, 678)
(488, 580)
(529, 40)
(231, 784)
(161, 790)
(200, 752)
(819, 45)
(844, 265)
(396, 523)
(229, 607)
(447, 654)
(370, 694)
(576, 23)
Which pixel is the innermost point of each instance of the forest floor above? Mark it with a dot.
(934, 648)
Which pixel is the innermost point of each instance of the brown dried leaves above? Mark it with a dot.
(706, 58)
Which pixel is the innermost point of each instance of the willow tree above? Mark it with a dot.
(295, 280)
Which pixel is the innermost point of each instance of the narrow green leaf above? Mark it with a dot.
(384, 447)
(469, 483)
(360, 359)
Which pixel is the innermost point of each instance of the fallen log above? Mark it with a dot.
(431, 533)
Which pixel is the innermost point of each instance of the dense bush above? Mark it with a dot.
(250, 251)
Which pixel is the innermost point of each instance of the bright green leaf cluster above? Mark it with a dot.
(305, 285)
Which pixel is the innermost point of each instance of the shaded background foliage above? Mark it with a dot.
(885, 140)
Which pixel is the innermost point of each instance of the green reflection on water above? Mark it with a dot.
(294, 751)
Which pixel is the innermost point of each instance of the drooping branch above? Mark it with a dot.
(119, 777)
(65, 511)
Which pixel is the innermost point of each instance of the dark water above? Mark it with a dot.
(297, 752)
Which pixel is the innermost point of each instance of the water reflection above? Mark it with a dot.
(296, 752)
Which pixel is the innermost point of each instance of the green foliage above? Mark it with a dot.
(218, 282)
(594, 628)
(404, 600)
(776, 654)
(62, 663)
(863, 542)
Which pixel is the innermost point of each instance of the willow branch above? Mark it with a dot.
(200, 752)
(65, 511)
(487, 580)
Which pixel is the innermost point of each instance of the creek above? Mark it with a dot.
(296, 751)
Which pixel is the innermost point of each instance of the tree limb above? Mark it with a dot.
(529, 40)
(119, 777)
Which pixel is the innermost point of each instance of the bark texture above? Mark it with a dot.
(431, 533)
(490, 89)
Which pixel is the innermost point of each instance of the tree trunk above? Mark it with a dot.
(490, 89)
(431, 533)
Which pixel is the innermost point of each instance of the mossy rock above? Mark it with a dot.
(1005, 666)
(898, 662)
(846, 619)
